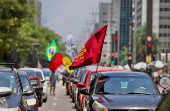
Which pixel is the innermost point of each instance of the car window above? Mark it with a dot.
(91, 77)
(25, 83)
(46, 73)
(8, 80)
(125, 84)
(39, 75)
(30, 73)
(84, 76)
(78, 74)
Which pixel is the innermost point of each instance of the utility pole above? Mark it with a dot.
(149, 31)
(111, 33)
(34, 53)
(130, 47)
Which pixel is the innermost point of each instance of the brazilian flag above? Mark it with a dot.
(52, 50)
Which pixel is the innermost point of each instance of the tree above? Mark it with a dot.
(141, 47)
(13, 13)
(124, 55)
(18, 31)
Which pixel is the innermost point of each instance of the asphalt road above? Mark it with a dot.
(59, 102)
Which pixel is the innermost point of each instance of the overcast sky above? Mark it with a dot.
(69, 16)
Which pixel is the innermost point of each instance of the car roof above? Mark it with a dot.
(34, 69)
(119, 73)
(11, 70)
(6, 72)
(112, 70)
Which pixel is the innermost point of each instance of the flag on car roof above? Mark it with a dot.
(91, 51)
(51, 50)
(55, 63)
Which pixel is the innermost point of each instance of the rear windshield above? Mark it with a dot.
(39, 75)
(30, 73)
(25, 83)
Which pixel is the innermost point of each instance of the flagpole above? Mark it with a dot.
(97, 67)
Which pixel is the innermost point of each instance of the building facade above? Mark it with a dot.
(103, 20)
(125, 19)
(160, 21)
(117, 15)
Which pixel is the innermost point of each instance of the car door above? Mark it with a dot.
(89, 98)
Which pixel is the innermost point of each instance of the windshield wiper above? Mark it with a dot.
(103, 93)
(138, 93)
(110, 93)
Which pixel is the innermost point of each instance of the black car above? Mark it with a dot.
(35, 82)
(31, 96)
(12, 97)
(122, 91)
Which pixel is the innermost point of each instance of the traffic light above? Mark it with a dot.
(116, 36)
(149, 48)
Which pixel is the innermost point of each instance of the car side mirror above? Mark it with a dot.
(80, 85)
(84, 91)
(27, 93)
(42, 81)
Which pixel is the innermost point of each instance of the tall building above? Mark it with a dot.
(125, 19)
(37, 16)
(117, 15)
(36, 4)
(160, 20)
(103, 20)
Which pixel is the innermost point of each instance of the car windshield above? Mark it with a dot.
(125, 85)
(30, 73)
(46, 73)
(8, 80)
(39, 74)
(25, 83)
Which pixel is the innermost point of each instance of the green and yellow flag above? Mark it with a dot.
(52, 50)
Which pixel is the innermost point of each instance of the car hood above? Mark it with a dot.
(128, 101)
(11, 101)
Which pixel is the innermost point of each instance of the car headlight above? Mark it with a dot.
(31, 102)
(99, 107)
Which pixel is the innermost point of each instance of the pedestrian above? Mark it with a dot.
(52, 83)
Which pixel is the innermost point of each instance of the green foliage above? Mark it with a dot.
(141, 48)
(124, 55)
(17, 31)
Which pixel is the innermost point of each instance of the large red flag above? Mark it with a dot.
(91, 51)
(56, 62)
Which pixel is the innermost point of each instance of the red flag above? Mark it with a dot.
(56, 62)
(91, 51)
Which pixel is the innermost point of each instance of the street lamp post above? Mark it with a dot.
(34, 53)
(130, 47)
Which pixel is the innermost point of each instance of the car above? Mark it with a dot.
(43, 82)
(47, 73)
(122, 91)
(31, 97)
(86, 81)
(13, 98)
(35, 82)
